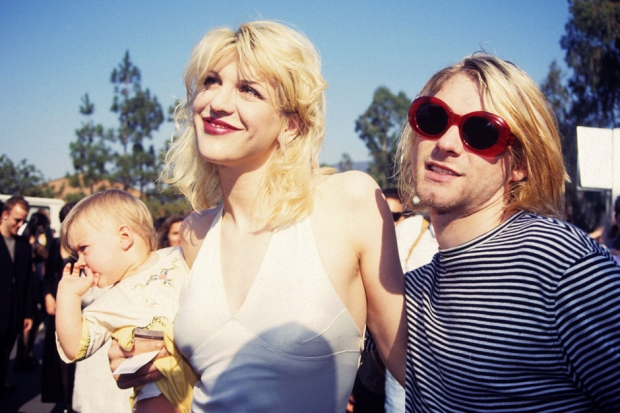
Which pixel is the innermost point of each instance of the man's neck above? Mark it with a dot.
(5, 232)
(454, 229)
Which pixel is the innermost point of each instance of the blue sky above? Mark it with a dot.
(53, 52)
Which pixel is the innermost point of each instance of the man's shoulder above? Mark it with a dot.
(21, 240)
(530, 222)
(550, 233)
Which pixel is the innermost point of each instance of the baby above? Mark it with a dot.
(112, 236)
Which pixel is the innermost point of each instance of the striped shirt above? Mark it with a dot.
(525, 318)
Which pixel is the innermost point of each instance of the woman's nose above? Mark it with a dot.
(222, 100)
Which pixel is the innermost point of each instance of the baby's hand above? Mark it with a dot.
(77, 281)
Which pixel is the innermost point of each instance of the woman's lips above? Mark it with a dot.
(217, 127)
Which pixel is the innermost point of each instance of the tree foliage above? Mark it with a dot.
(592, 44)
(590, 96)
(345, 163)
(139, 115)
(22, 179)
(90, 152)
(379, 127)
(559, 98)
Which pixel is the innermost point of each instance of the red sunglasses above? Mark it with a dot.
(482, 132)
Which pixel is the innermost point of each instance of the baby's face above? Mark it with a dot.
(97, 248)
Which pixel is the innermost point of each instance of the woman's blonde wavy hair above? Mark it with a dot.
(510, 93)
(120, 206)
(288, 60)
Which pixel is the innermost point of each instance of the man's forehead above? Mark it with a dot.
(18, 211)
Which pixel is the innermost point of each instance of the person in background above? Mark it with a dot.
(112, 236)
(41, 237)
(16, 311)
(519, 311)
(396, 206)
(169, 233)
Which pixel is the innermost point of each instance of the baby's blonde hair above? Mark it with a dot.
(509, 92)
(290, 62)
(119, 206)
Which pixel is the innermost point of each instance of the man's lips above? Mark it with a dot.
(217, 127)
(441, 170)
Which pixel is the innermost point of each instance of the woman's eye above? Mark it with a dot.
(210, 80)
(251, 91)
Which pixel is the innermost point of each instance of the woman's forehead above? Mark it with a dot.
(245, 69)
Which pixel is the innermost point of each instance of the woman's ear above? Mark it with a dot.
(292, 126)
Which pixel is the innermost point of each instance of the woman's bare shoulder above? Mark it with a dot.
(194, 230)
(349, 186)
(201, 217)
(345, 202)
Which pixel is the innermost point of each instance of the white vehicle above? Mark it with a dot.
(51, 206)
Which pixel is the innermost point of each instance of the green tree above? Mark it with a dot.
(345, 163)
(379, 128)
(23, 179)
(166, 200)
(592, 44)
(559, 97)
(90, 152)
(139, 114)
(591, 96)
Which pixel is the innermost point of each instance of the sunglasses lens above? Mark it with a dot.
(431, 119)
(480, 133)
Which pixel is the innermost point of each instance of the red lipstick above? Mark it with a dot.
(217, 127)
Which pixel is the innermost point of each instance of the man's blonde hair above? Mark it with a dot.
(510, 93)
(119, 206)
(288, 60)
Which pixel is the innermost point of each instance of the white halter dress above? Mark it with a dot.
(292, 346)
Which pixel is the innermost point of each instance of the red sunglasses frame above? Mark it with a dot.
(504, 138)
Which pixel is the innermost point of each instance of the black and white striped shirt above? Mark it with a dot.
(525, 318)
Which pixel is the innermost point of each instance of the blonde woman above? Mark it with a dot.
(295, 260)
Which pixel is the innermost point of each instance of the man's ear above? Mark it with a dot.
(519, 172)
(291, 130)
(126, 235)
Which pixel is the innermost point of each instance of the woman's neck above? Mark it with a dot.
(240, 192)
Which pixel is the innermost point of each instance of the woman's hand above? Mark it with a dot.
(147, 373)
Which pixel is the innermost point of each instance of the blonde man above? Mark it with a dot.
(519, 311)
(112, 236)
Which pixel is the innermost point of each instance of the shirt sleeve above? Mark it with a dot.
(92, 339)
(588, 323)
